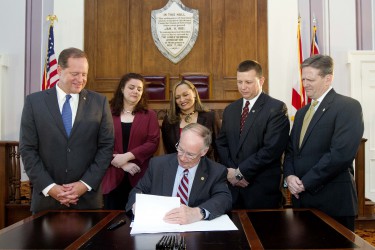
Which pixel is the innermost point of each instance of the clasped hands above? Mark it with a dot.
(122, 161)
(295, 185)
(68, 194)
(231, 177)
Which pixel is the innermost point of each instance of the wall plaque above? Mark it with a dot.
(175, 29)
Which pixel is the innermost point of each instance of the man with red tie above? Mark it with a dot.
(198, 181)
(253, 136)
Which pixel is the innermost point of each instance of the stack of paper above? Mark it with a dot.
(151, 209)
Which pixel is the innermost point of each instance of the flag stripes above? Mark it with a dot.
(50, 76)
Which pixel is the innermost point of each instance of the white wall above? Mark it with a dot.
(70, 26)
(341, 25)
(12, 46)
(282, 48)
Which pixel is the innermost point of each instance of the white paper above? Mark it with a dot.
(151, 209)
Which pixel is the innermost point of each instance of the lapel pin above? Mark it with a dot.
(202, 178)
(84, 98)
(253, 111)
(324, 109)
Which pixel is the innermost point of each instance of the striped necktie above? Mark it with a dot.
(244, 114)
(183, 188)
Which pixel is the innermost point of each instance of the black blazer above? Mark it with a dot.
(171, 132)
(209, 191)
(257, 150)
(324, 162)
(49, 156)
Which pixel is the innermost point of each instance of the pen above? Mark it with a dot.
(160, 243)
(116, 224)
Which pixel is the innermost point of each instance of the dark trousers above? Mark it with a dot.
(117, 198)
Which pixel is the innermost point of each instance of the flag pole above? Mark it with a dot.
(51, 19)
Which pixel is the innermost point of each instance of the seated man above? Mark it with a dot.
(200, 182)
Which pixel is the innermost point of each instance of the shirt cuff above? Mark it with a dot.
(207, 214)
(47, 189)
(88, 187)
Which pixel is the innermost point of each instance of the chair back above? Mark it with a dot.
(157, 86)
(202, 81)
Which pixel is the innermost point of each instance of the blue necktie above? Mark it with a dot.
(67, 115)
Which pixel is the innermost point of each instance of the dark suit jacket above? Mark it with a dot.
(209, 190)
(171, 132)
(49, 156)
(324, 162)
(143, 143)
(257, 151)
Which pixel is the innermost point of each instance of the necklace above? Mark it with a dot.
(188, 116)
(127, 111)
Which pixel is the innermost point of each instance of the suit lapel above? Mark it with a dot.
(235, 118)
(82, 106)
(170, 175)
(53, 106)
(250, 119)
(201, 119)
(323, 107)
(298, 125)
(199, 180)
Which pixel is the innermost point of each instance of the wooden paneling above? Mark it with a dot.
(118, 40)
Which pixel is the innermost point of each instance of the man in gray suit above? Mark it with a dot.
(318, 163)
(66, 159)
(208, 195)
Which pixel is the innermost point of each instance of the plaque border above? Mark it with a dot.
(194, 36)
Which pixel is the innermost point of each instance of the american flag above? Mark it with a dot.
(50, 76)
(298, 92)
(314, 43)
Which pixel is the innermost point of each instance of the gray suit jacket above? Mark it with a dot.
(49, 156)
(209, 191)
(324, 162)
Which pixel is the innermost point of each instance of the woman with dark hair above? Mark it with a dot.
(186, 107)
(137, 137)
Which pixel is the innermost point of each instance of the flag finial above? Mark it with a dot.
(314, 19)
(52, 19)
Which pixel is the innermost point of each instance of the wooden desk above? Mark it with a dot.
(258, 229)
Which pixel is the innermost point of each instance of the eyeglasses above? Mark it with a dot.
(182, 152)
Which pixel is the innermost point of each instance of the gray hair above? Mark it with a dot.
(200, 130)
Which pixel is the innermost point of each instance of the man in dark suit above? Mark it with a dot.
(253, 136)
(66, 161)
(318, 165)
(208, 195)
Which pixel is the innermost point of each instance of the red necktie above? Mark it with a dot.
(183, 188)
(244, 114)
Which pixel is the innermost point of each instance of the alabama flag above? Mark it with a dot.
(298, 92)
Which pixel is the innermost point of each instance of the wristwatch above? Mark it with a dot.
(238, 175)
(203, 213)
